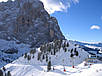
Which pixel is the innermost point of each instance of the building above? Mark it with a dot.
(91, 59)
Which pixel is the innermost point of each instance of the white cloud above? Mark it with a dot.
(95, 27)
(57, 5)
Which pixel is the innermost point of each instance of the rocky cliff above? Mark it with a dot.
(28, 22)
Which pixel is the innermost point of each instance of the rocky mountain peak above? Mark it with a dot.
(27, 21)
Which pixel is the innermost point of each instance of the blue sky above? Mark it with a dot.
(79, 18)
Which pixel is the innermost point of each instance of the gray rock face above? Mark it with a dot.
(27, 22)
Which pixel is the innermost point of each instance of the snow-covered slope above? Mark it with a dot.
(10, 50)
(61, 57)
(35, 70)
(60, 53)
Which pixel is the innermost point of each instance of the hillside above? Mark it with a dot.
(11, 50)
(60, 53)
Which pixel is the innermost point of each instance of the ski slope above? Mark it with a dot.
(32, 70)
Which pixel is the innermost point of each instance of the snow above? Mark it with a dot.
(58, 58)
(94, 47)
(61, 60)
(32, 70)
(5, 45)
(23, 67)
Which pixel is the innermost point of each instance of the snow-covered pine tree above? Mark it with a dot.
(4, 69)
(54, 51)
(25, 55)
(75, 50)
(43, 57)
(65, 49)
(67, 44)
(29, 57)
(71, 50)
(64, 44)
(49, 66)
(71, 55)
(39, 55)
(33, 51)
(77, 53)
(46, 58)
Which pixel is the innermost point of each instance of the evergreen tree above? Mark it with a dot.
(65, 49)
(39, 55)
(4, 68)
(71, 50)
(59, 46)
(49, 48)
(53, 68)
(8, 73)
(51, 53)
(68, 50)
(75, 49)
(54, 51)
(5, 74)
(75, 44)
(33, 51)
(61, 41)
(29, 57)
(71, 55)
(43, 57)
(77, 53)
(64, 44)
(41, 48)
(33, 57)
(49, 66)
(46, 58)
(67, 44)
(1, 73)
(25, 55)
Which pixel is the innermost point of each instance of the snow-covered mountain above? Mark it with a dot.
(91, 47)
(60, 52)
(24, 24)
(90, 44)
(28, 22)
